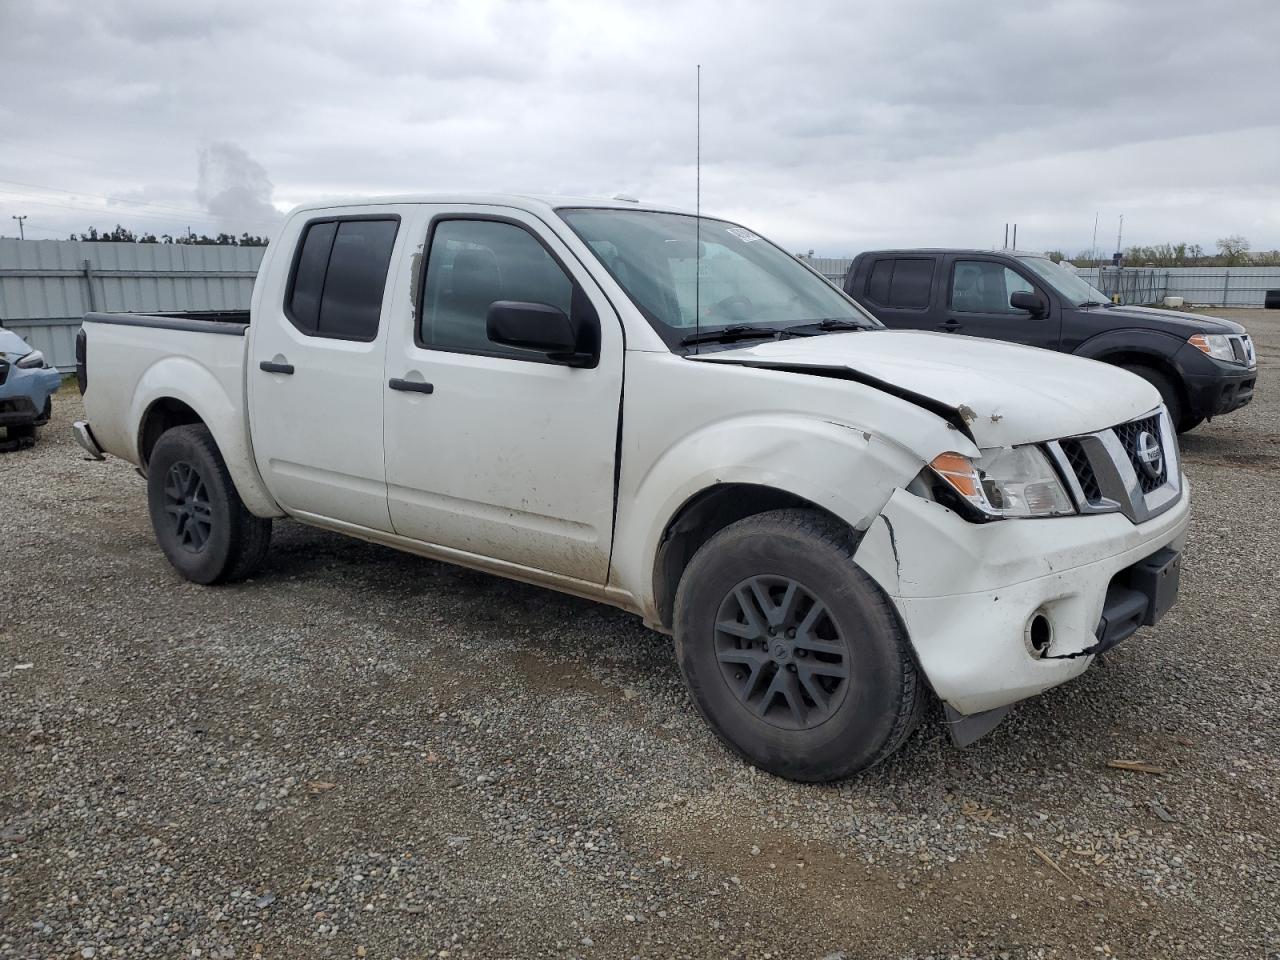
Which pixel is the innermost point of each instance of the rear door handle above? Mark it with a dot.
(412, 386)
(270, 366)
(951, 326)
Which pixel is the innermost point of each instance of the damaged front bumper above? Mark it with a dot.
(999, 612)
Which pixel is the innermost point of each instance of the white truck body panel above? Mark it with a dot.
(139, 366)
(571, 477)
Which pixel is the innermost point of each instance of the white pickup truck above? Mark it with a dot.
(671, 415)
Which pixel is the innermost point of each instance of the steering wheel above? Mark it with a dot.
(734, 304)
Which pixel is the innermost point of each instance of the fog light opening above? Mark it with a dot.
(1039, 634)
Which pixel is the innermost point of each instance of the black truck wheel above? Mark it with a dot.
(792, 654)
(200, 522)
(1169, 394)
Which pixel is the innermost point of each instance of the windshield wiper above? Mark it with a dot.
(1095, 303)
(729, 334)
(828, 325)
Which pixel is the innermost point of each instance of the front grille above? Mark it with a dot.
(1131, 468)
(1083, 469)
(1131, 438)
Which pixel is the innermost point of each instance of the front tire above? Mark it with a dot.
(1169, 394)
(200, 522)
(792, 654)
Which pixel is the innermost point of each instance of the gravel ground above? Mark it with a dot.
(362, 753)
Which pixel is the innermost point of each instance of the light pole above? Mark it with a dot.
(22, 233)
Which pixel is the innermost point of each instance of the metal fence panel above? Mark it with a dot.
(1207, 286)
(47, 286)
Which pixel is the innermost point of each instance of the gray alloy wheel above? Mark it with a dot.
(780, 652)
(187, 505)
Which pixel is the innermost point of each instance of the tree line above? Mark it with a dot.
(121, 235)
(1232, 251)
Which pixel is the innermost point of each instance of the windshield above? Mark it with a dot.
(1069, 286)
(733, 278)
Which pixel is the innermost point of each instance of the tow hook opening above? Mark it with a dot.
(1039, 634)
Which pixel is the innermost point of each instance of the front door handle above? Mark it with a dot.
(270, 366)
(951, 326)
(412, 386)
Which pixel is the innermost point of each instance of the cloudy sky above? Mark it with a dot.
(832, 126)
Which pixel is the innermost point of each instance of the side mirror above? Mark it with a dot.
(1031, 302)
(536, 326)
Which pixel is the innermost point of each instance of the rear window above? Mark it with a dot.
(902, 282)
(339, 278)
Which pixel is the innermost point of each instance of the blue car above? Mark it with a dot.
(27, 384)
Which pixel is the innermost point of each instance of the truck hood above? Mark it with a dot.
(1172, 321)
(999, 393)
(12, 346)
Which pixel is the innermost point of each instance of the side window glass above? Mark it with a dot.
(308, 276)
(471, 264)
(878, 282)
(357, 276)
(340, 278)
(911, 283)
(980, 286)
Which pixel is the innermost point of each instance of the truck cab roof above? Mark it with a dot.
(533, 203)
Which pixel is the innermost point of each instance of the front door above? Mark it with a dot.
(496, 450)
(977, 304)
(315, 371)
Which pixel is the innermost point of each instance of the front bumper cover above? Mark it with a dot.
(967, 592)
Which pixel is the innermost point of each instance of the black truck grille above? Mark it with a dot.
(1083, 470)
(1130, 435)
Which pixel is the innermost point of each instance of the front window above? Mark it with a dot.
(983, 286)
(1068, 285)
(685, 275)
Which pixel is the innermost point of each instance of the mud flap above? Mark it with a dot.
(967, 729)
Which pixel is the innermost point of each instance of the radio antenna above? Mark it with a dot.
(697, 212)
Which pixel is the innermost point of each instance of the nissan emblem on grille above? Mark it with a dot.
(1149, 454)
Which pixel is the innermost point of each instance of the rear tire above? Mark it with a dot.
(793, 655)
(200, 522)
(1169, 394)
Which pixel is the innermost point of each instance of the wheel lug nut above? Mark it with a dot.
(791, 633)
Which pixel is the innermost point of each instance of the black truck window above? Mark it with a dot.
(339, 277)
(982, 286)
(470, 265)
(901, 282)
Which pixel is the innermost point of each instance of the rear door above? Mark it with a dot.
(315, 368)
(899, 290)
(495, 450)
(976, 299)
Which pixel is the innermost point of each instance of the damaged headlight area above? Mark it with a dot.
(1004, 482)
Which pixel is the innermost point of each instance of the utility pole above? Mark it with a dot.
(1119, 234)
(22, 233)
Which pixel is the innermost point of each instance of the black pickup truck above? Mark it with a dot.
(1202, 366)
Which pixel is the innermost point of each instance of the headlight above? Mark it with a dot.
(33, 359)
(1216, 345)
(1006, 482)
